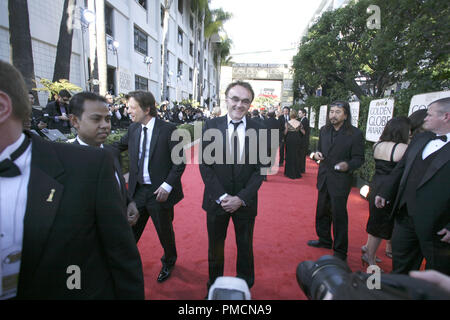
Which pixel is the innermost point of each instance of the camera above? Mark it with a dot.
(330, 278)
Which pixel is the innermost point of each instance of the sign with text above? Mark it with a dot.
(312, 119)
(354, 110)
(380, 112)
(421, 101)
(322, 116)
(124, 81)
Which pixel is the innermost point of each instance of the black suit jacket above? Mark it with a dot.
(161, 167)
(432, 211)
(349, 147)
(53, 109)
(217, 177)
(83, 225)
(282, 122)
(305, 137)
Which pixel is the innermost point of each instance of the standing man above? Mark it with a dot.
(419, 185)
(154, 180)
(63, 229)
(305, 139)
(283, 119)
(58, 112)
(340, 151)
(231, 187)
(92, 119)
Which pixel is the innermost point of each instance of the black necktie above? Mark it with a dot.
(235, 144)
(443, 138)
(8, 168)
(141, 159)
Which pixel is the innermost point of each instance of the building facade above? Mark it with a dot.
(134, 36)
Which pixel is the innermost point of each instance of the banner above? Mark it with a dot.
(312, 119)
(421, 101)
(354, 110)
(380, 112)
(322, 116)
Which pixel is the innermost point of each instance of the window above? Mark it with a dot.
(191, 22)
(180, 68)
(140, 41)
(191, 74)
(109, 20)
(191, 48)
(140, 83)
(204, 65)
(143, 3)
(198, 58)
(180, 6)
(180, 37)
(162, 16)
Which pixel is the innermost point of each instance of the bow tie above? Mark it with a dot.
(443, 138)
(8, 168)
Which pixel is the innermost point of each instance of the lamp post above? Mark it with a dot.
(86, 18)
(148, 61)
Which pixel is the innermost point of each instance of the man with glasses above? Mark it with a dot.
(58, 112)
(231, 187)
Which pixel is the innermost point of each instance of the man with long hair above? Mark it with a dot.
(340, 151)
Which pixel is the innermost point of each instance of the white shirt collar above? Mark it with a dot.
(6, 153)
(244, 120)
(149, 124)
(85, 144)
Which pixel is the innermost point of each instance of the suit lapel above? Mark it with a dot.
(442, 158)
(154, 135)
(43, 199)
(415, 148)
(137, 131)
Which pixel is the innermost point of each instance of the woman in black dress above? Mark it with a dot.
(386, 152)
(293, 133)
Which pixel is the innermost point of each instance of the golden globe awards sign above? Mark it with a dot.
(421, 101)
(322, 116)
(354, 110)
(380, 112)
(312, 119)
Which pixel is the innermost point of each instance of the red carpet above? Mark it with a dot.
(285, 222)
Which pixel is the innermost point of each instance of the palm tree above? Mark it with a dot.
(64, 48)
(20, 40)
(101, 45)
(199, 7)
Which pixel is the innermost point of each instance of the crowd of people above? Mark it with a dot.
(58, 218)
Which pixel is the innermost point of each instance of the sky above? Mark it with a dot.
(266, 25)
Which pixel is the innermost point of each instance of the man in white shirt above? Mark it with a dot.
(422, 204)
(63, 231)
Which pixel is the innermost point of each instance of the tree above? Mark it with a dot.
(64, 47)
(101, 45)
(165, 52)
(20, 40)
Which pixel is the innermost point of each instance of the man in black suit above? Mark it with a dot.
(231, 185)
(64, 234)
(340, 151)
(154, 179)
(305, 139)
(92, 120)
(58, 112)
(283, 119)
(419, 185)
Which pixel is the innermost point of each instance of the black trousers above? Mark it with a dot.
(409, 250)
(303, 153)
(162, 220)
(282, 150)
(217, 225)
(332, 210)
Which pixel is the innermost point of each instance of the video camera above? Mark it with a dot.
(330, 278)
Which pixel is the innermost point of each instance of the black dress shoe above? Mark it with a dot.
(164, 274)
(318, 244)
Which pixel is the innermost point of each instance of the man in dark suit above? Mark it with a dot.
(283, 119)
(340, 151)
(419, 185)
(64, 232)
(305, 139)
(58, 112)
(92, 120)
(231, 181)
(154, 179)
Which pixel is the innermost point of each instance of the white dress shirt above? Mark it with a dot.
(433, 146)
(13, 202)
(147, 180)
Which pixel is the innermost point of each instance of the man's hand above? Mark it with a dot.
(41, 125)
(132, 213)
(380, 202)
(231, 204)
(432, 276)
(63, 117)
(446, 233)
(341, 166)
(161, 194)
(318, 156)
